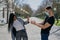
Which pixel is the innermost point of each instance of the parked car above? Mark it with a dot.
(2, 21)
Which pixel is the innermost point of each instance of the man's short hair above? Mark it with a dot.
(48, 7)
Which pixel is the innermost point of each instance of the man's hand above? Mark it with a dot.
(33, 22)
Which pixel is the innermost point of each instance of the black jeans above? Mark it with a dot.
(21, 35)
(44, 36)
(13, 33)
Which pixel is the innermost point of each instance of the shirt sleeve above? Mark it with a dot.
(51, 21)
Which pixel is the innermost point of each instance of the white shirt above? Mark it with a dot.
(17, 25)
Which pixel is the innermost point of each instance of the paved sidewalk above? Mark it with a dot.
(32, 31)
(4, 35)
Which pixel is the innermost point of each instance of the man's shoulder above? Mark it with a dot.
(52, 18)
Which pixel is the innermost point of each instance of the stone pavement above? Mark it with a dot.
(4, 35)
(32, 31)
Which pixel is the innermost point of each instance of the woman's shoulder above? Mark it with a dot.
(19, 19)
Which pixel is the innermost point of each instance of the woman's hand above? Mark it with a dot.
(28, 18)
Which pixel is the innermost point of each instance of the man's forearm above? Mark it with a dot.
(39, 25)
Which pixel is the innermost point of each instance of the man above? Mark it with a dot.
(47, 24)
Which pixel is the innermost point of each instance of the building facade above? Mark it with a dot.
(5, 9)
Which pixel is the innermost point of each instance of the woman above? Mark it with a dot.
(18, 24)
(11, 28)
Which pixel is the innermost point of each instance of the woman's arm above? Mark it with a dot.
(26, 22)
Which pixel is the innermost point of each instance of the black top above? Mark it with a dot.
(50, 20)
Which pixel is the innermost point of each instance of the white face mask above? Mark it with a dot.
(47, 13)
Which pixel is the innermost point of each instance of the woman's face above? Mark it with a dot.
(15, 18)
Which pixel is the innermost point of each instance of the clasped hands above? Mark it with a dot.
(31, 21)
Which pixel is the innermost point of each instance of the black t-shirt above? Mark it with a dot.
(51, 21)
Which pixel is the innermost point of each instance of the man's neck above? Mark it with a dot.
(51, 14)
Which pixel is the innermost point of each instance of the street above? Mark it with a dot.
(32, 31)
(33, 8)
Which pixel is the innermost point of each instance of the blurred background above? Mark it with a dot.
(32, 8)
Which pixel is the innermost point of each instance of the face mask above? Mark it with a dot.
(47, 13)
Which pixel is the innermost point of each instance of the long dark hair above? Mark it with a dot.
(10, 21)
(49, 7)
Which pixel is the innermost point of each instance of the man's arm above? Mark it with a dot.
(46, 25)
(42, 22)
